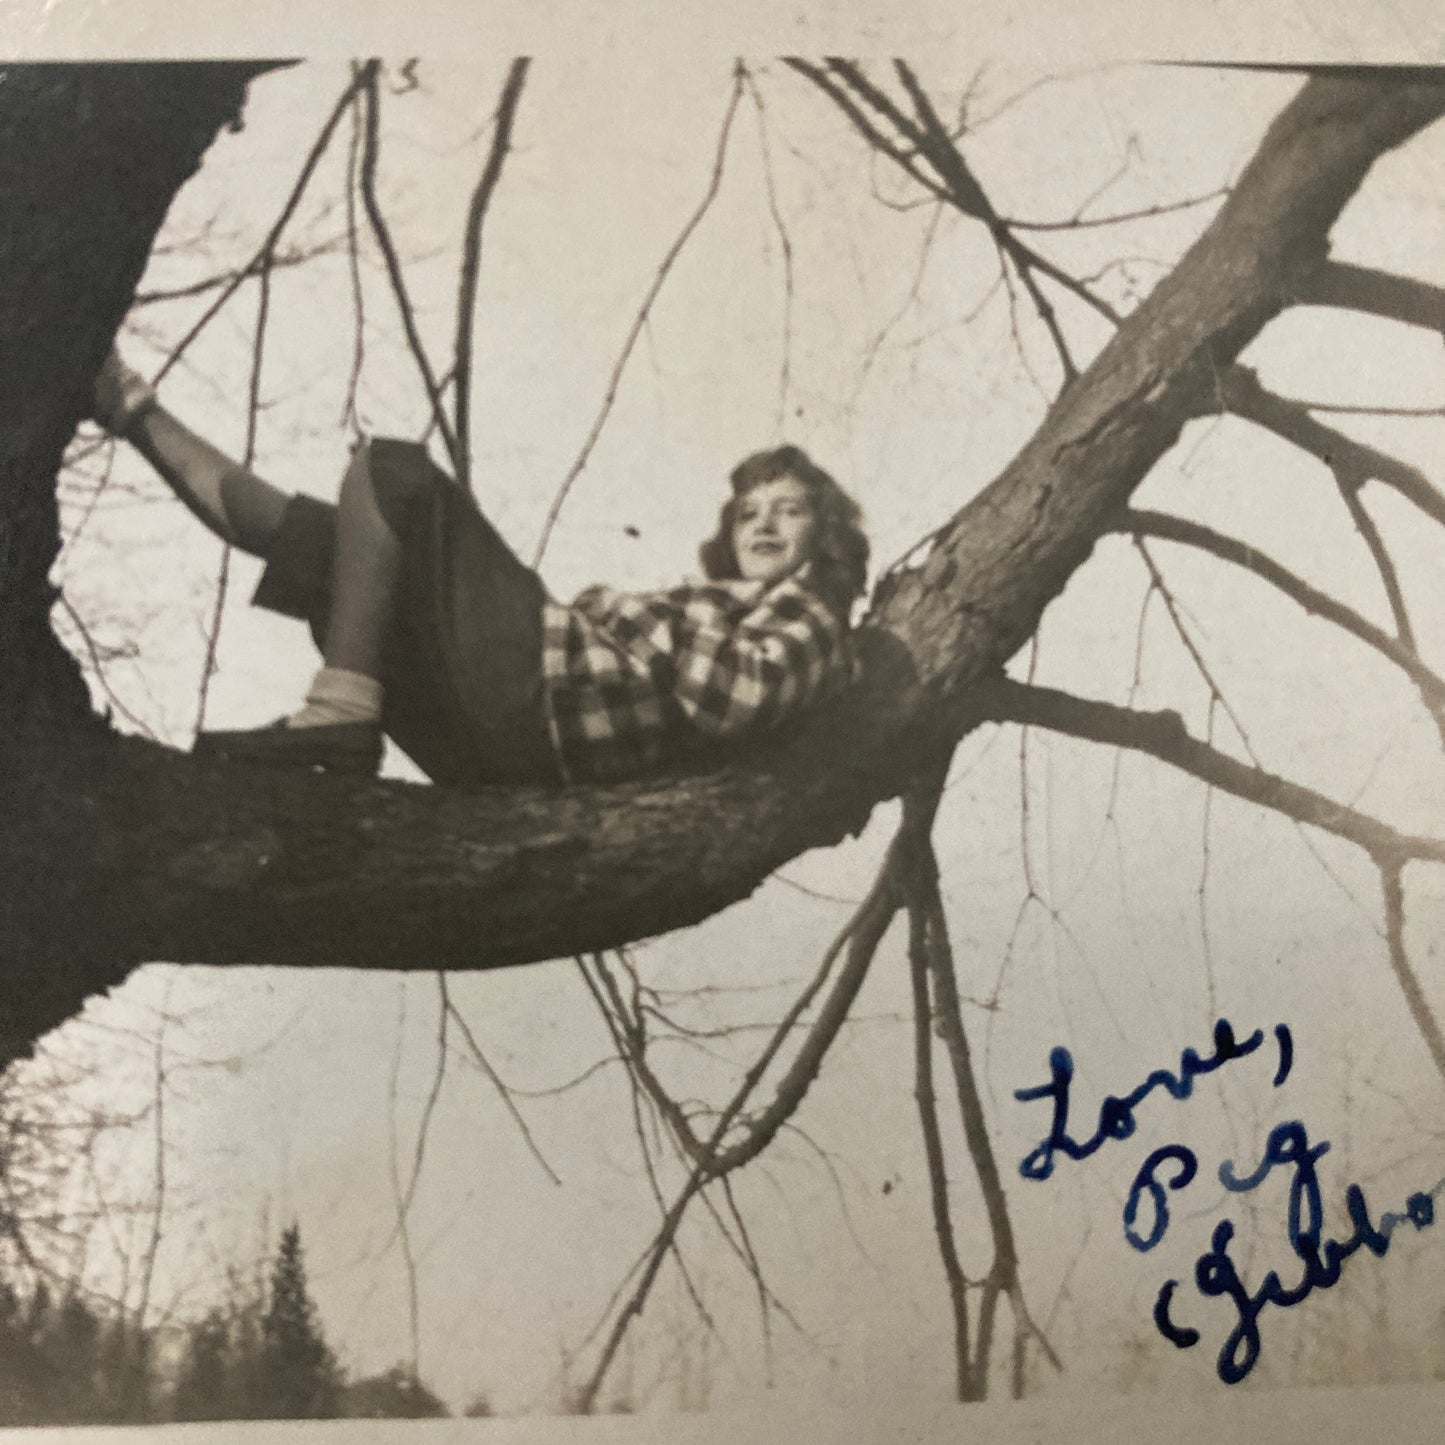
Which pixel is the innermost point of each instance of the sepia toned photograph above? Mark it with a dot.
(691, 736)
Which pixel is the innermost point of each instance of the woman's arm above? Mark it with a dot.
(234, 503)
(788, 653)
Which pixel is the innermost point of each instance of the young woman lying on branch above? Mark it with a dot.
(432, 632)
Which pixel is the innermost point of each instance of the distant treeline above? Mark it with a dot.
(71, 1359)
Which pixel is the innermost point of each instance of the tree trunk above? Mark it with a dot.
(90, 159)
(164, 857)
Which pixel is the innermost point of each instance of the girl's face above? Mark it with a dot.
(773, 530)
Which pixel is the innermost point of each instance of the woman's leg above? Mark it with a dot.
(234, 503)
(365, 570)
(339, 724)
(364, 574)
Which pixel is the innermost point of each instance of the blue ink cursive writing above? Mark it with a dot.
(1116, 1115)
(1146, 1183)
(1216, 1275)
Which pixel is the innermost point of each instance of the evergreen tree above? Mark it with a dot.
(300, 1376)
(204, 1388)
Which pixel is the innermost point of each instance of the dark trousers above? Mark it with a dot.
(463, 671)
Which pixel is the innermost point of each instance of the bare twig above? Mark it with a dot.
(223, 576)
(614, 380)
(1240, 392)
(1172, 611)
(349, 414)
(97, 665)
(1361, 409)
(279, 261)
(1311, 599)
(784, 240)
(369, 156)
(471, 262)
(861, 937)
(504, 1092)
(268, 246)
(927, 1102)
(865, 127)
(158, 1182)
(1080, 223)
(1420, 1011)
(401, 1202)
(924, 138)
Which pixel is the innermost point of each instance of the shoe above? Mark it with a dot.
(334, 747)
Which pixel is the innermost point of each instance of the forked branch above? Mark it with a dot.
(1240, 392)
(1240, 554)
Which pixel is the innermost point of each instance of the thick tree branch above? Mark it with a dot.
(117, 852)
(90, 158)
(1376, 293)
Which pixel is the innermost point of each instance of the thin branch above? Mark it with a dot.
(503, 1091)
(602, 990)
(471, 262)
(349, 415)
(1230, 549)
(1420, 1011)
(98, 667)
(924, 1096)
(862, 937)
(784, 240)
(930, 140)
(423, 1129)
(400, 1201)
(614, 380)
(1080, 223)
(969, 196)
(293, 200)
(864, 126)
(943, 153)
(1003, 1277)
(279, 261)
(1384, 563)
(1043, 307)
(1172, 610)
(223, 576)
(1240, 392)
(370, 152)
(1360, 409)
(1163, 735)
(1389, 579)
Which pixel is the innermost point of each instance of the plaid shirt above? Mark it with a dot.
(637, 680)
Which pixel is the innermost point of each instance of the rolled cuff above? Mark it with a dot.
(297, 579)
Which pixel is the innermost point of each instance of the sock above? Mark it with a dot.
(338, 696)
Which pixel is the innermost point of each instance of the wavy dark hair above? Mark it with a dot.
(840, 547)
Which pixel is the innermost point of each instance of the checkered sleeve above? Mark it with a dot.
(746, 669)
